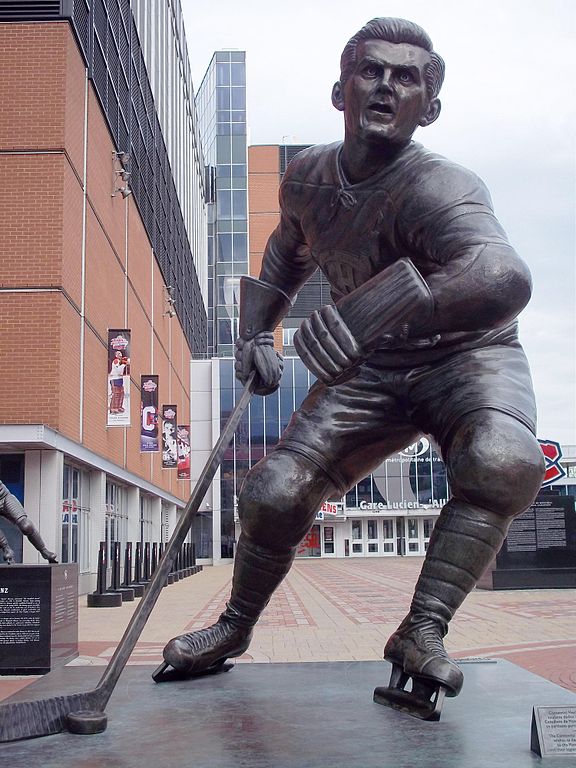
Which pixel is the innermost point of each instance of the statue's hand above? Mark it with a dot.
(327, 347)
(259, 354)
(8, 555)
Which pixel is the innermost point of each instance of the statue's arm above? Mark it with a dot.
(264, 301)
(476, 278)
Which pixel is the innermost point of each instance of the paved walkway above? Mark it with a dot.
(337, 610)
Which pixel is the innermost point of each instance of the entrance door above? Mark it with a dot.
(418, 532)
(373, 541)
(413, 537)
(357, 539)
(427, 528)
(389, 536)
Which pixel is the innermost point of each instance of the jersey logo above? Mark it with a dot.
(552, 455)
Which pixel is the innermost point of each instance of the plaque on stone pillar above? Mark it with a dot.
(38, 617)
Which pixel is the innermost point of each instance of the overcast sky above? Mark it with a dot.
(508, 114)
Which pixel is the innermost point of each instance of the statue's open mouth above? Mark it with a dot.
(382, 109)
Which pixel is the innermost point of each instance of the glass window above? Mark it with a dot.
(356, 529)
(413, 546)
(238, 149)
(145, 518)
(412, 527)
(239, 204)
(75, 530)
(351, 500)
(388, 547)
(238, 100)
(225, 247)
(373, 529)
(116, 521)
(238, 74)
(428, 526)
(223, 98)
(288, 336)
(223, 149)
(357, 547)
(388, 529)
(373, 546)
(224, 200)
(223, 74)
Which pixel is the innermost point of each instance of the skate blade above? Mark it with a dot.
(166, 673)
(424, 701)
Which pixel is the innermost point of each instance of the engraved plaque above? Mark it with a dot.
(553, 732)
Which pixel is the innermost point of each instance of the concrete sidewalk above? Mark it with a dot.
(345, 609)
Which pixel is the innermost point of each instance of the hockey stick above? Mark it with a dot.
(84, 712)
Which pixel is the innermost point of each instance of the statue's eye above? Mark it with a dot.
(405, 76)
(371, 70)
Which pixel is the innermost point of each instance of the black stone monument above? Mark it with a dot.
(38, 617)
(540, 549)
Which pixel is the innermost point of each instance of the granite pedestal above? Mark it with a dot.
(307, 715)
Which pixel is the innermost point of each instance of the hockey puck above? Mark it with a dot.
(86, 721)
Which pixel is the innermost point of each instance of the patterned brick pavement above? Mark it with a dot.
(338, 610)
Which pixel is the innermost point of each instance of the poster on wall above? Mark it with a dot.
(169, 449)
(149, 442)
(118, 378)
(183, 444)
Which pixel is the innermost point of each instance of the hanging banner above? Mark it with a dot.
(118, 378)
(183, 441)
(169, 449)
(149, 414)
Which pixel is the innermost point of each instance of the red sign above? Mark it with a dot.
(552, 455)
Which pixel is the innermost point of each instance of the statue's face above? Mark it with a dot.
(385, 98)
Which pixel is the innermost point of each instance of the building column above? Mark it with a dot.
(133, 509)
(97, 519)
(169, 519)
(156, 534)
(43, 500)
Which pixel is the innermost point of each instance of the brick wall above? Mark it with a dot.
(42, 91)
(264, 213)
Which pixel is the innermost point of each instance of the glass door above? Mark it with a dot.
(328, 539)
(389, 536)
(413, 538)
(427, 528)
(373, 542)
(357, 539)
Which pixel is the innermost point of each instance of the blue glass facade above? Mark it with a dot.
(221, 105)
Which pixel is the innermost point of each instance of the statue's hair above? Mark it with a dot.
(395, 31)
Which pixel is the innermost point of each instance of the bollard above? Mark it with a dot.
(126, 593)
(154, 557)
(137, 584)
(101, 598)
(138, 589)
(146, 562)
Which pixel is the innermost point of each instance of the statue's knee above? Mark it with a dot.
(496, 463)
(26, 526)
(279, 499)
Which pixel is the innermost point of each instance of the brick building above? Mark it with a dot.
(95, 234)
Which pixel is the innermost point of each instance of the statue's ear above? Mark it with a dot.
(338, 97)
(431, 113)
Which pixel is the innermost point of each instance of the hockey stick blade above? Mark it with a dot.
(42, 717)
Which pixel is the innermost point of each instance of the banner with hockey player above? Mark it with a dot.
(149, 442)
(169, 449)
(183, 444)
(118, 378)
